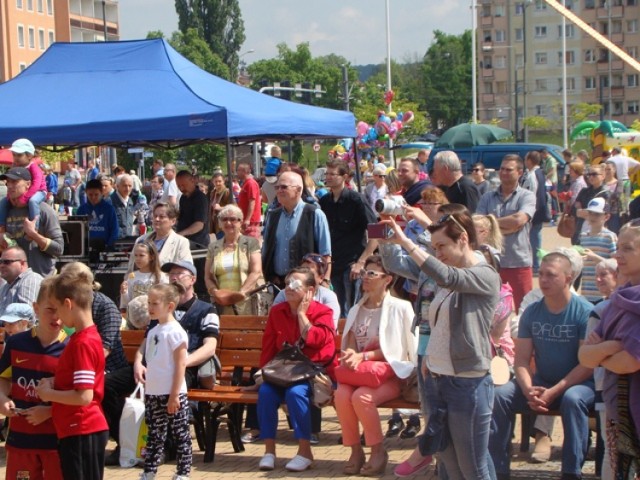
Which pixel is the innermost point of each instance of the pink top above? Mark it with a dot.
(38, 183)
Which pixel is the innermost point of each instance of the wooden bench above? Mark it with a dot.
(239, 348)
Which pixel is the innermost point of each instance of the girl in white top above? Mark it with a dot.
(138, 282)
(165, 351)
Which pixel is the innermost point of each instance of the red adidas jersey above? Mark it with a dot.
(81, 367)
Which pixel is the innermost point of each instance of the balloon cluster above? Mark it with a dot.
(342, 151)
(387, 127)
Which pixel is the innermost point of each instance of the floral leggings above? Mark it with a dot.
(158, 419)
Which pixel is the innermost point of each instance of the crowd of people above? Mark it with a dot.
(440, 290)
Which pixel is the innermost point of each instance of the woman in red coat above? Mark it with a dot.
(300, 316)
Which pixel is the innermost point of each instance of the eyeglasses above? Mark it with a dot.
(8, 261)
(476, 169)
(230, 219)
(283, 187)
(592, 174)
(314, 258)
(449, 216)
(371, 274)
(179, 274)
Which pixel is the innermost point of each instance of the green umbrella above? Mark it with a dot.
(470, 134)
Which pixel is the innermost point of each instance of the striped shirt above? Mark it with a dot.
(602, 244)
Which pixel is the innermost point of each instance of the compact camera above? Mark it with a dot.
(379, 230)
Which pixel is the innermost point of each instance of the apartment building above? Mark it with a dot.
(28, 27)
(520, 60)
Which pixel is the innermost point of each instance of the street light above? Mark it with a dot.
(242, 64)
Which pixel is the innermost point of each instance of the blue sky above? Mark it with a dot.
(353, 29)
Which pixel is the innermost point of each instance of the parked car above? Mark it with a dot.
(491, 155)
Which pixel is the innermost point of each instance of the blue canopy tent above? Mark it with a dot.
(143, 92)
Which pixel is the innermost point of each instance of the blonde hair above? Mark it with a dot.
(74, 282)
(490, 222)
(169, 292)
(392, 181)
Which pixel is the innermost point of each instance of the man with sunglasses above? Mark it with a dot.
(596, 188)
(348, 215)
(22, 283)
(292, 230)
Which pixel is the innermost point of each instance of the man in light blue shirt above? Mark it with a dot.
(293, 230)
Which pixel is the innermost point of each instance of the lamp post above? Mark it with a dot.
(241, 63)
(474, 61)
(104, 18)
(391, 152)
(525, 5)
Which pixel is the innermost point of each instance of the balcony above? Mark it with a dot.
(616, 12)
(617, 92)
(617, 38)
(486, 21)
(487, 72)
(616, 65)
(488, 98)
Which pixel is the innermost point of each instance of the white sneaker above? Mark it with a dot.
(147, 476)
(268, 462)
(298, 464)
(179, 477)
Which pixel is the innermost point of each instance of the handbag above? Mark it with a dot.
(289, 366)
(321, 390)
(567, 226)
(371, 373)
(133, 429)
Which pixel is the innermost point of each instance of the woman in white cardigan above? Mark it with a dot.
(171, 246)
(378, 328)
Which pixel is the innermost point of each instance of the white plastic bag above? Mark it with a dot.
(133, 429)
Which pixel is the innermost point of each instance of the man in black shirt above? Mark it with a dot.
(348, 214)
(193, 222)
(447, 174)
(596, 188)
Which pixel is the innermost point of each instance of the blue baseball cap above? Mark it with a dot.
(16, 312)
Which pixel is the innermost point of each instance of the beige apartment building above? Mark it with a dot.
(29, 27)
(520, 60)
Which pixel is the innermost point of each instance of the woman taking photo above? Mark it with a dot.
(378, 329)
(457, 361)
(299, 318)
(171, 246)
(233, 264)
(220, 197)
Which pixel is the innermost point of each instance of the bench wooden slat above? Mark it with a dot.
(238, 340)
(223, 394)
(243, 322)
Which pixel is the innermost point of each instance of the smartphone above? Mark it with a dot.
(19, 411)
(379, 230)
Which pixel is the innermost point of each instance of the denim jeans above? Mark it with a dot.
(297, 397)
(574, 407)
(469, 403)
(346, 290)
(535, 238)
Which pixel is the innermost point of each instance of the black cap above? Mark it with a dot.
(17, 173)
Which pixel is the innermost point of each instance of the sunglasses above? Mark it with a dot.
(283, 187)
(592, 174)
(371, 274)
(449, 216)
(229, 219)
(9, 261)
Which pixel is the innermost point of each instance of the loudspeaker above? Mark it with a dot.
(75, 238)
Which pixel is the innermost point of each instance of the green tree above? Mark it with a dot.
(218, 22)
(447, 79)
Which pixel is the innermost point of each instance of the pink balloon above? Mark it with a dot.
(362, 128)
(407, 117)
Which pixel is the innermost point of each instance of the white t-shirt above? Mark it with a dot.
(171, 190)
(623, 164)
(162, 341)
(139, 283)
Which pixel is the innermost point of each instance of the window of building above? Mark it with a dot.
(32, 38)
(632, 26)
(589, 83)
(589, 4)
(20, 36)
(49, 7)
(632, 51)
(571, 84)
(589, 55)
(569, 31)
(568, 4)
(41, 43)
(603, 28)
(30, 5)
(604, 81)
(52, 37)
(488, 87)
(633, 107)
(616, 26)
(486, 35)
(617, 108)
(632, 2)
(519, 8)
(19, 4)
(40, 4)
(486, 11)
(500, 61)
(541, 85)
(519, 60)
(541, 110)
(616, 81)
(501, 36)
(541, 58)
(519, 34)
(570, 58)
(541, 5)
(540, 31)
(499, 10)
(603, 55)
(632, 80)
(486, 62)
(501, 88)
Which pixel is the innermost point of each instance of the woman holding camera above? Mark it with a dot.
(458, 356)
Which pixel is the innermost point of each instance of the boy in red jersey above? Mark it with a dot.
(32, 445)
(78, 387)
